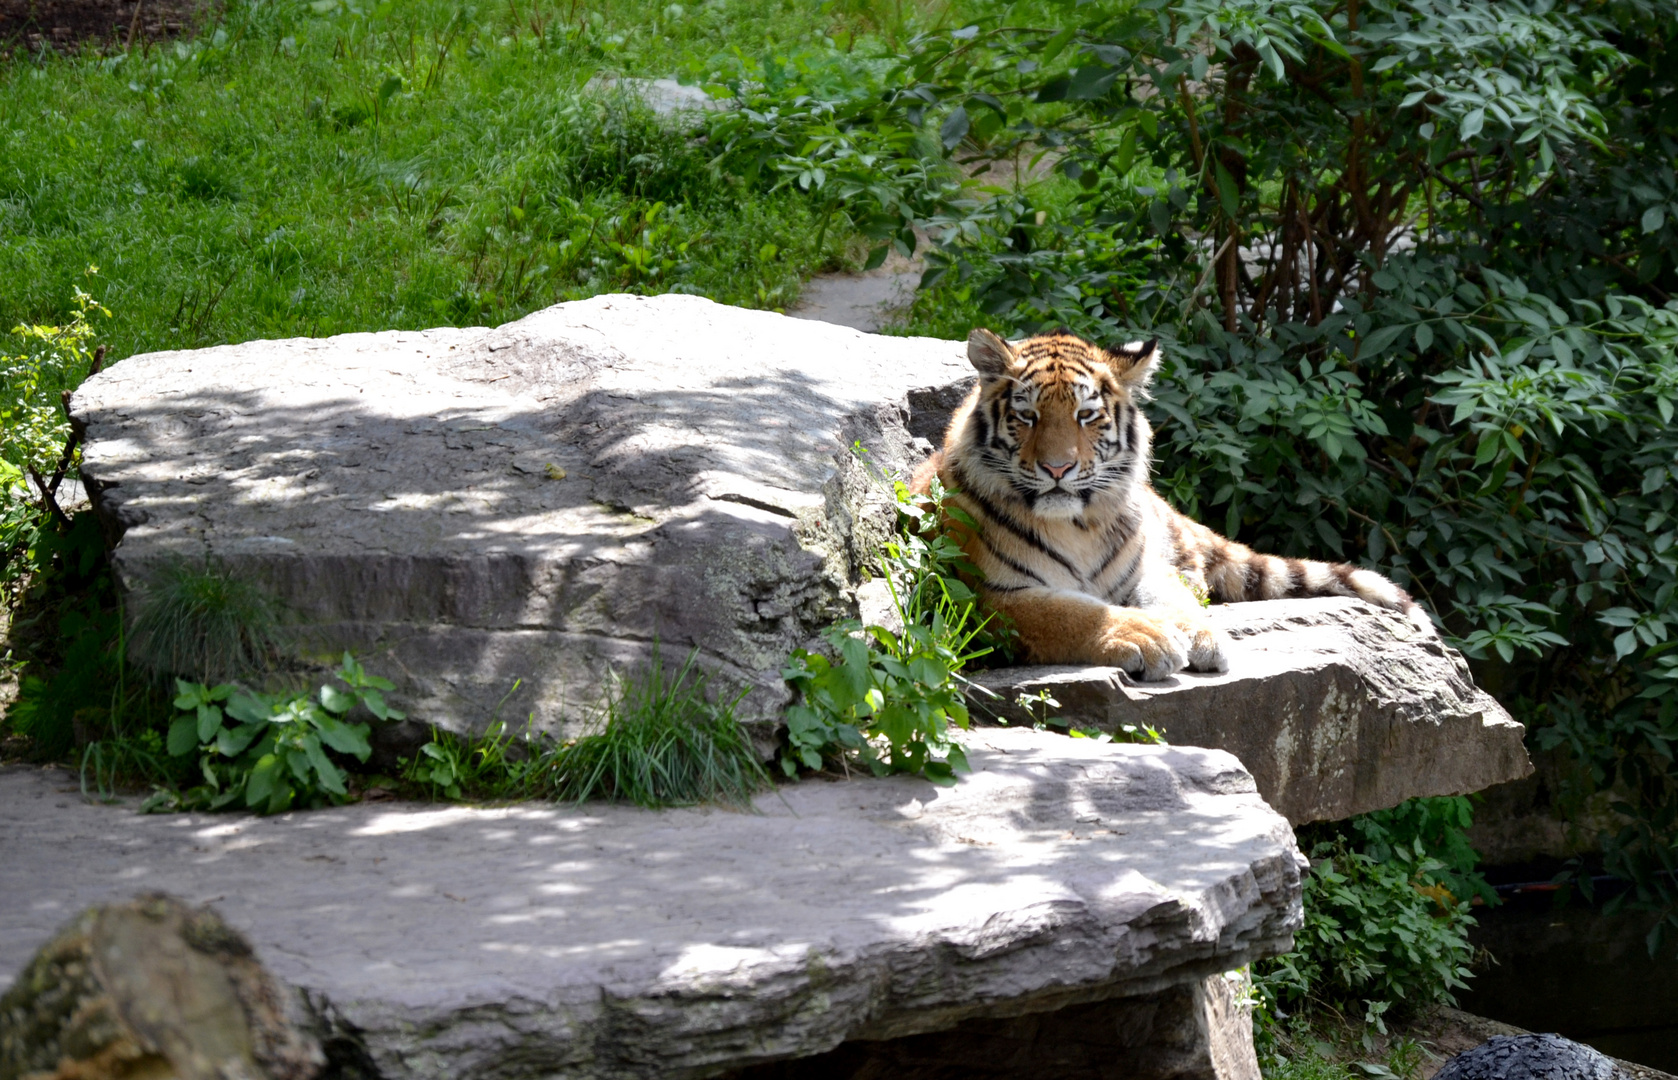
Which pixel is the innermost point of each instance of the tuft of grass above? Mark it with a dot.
(200, 623)
(663, 743)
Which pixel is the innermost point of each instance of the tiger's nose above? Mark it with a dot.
(1058, 470)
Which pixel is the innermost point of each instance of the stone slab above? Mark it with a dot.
(603, 941)
(470, 508)
(1335, 706)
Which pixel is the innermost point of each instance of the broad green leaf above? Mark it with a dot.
(264, 774)
(183, 736)
(335, 700)
(209, 722)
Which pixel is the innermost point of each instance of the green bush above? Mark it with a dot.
(1378, 934)
(1386, 915)
(269, 751)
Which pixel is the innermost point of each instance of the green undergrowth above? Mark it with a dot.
(1387, 903)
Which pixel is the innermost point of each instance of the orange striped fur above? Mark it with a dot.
(1050, 454)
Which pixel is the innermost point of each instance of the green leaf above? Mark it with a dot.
(1424, 337)
(1471, 124)
(1228, 197)
(1654, 218)
(335, 700)
(250, 708)
(955, 127)
(183, 736)
(209, 722)
(329, 775)
(231, 742)
(264, 776)
(345, 738)
(1378, 341)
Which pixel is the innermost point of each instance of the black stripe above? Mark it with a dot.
(990, 587)
(1010, 563)
(1113, 552)
(1025, 533)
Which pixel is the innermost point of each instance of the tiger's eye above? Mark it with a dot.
(1086, 415)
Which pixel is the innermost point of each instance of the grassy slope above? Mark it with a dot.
(256, 183)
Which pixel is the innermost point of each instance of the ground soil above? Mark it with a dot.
(69, 25)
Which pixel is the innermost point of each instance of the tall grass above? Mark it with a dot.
(200, 623)
(663, 742)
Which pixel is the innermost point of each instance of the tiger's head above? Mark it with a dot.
(1056, 423)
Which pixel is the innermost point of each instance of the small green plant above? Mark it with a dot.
(269, 751)
(663, 742)
(496, 765)
(887, 698)
(199, 621)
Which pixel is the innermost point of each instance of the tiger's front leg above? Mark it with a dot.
(1060, 626)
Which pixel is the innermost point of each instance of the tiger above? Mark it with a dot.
(1049, 459)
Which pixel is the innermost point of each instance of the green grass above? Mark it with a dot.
(661, 740)
(309, 169)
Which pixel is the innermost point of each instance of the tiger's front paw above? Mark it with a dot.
(1208, 648)
(1143, 645)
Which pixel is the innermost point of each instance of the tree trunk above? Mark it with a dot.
(150, 990)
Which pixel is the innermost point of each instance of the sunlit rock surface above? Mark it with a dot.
(611, 942)
(1335, 706)
(470, 508)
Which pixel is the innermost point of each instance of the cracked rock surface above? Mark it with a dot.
(467, 508)
(1335, 706)
(606, 941)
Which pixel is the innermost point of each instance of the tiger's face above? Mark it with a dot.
(1058, 416)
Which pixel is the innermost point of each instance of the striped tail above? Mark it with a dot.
(1234, 573)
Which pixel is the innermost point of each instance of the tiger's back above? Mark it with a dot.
(1050, 455)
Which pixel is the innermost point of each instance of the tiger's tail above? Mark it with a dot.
(1234, 573)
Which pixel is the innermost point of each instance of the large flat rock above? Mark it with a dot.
(614, 942)
(470, 508)
(1335, 706)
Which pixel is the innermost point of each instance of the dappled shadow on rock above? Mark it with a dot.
(1061, 871)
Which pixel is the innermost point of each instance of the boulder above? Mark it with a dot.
(470, 509)
(1530, 1057)
(151, 988)
(1335, 706)
(606, 941)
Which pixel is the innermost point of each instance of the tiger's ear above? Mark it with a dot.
(989, 354)
(1134, 363)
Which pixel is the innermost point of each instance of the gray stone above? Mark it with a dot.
(666, 97)
(1529, 1057)
(606, 941)
(470, 508)
(1200, 1030)
(1336, 707)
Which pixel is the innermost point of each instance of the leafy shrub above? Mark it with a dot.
(37, 450)
(896, 688)
(1386, 913)
(1378, 934)
(269, 751)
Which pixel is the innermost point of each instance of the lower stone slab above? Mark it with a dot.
(605, 941)
(1197, 1031)
(1336, 707)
